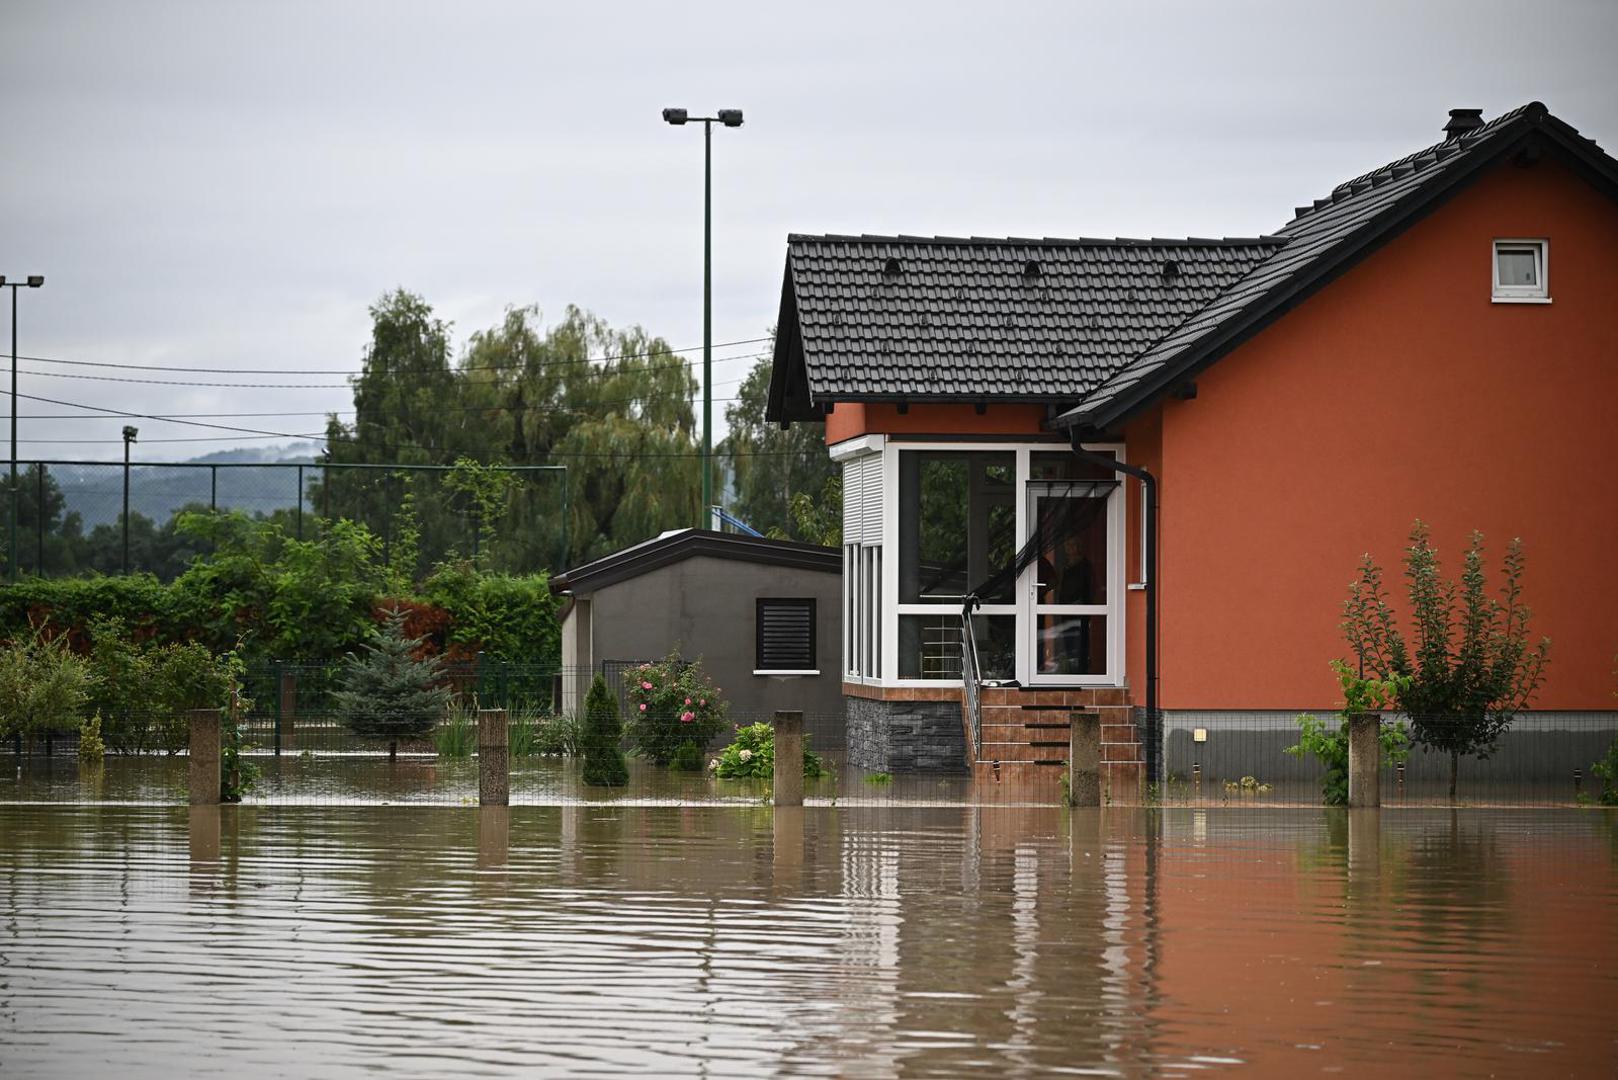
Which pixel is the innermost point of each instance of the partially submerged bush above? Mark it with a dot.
(1329, 742)
(604, 764)
(672, 702)
(43, 686)
(751, 755)
(143, 690)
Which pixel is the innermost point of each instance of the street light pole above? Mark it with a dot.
(729, 118)
(32, 281)
(129, 437)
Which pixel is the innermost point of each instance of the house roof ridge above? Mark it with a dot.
(1261, 240)
(1419, 160)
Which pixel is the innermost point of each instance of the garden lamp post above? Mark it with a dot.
(32, 281)
(129, 438)
(731, 118)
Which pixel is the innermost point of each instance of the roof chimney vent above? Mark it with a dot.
(891, 270)
(1462, 121)
(1031, 273)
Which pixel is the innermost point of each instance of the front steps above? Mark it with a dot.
(1026, 735)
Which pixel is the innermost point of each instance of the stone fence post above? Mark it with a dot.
(1084, 760)
(1364, 760)
(788, 758)
(494, 758)
(204, 767)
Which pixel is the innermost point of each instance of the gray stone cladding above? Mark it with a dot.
(906, 736)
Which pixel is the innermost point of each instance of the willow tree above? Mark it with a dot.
(1473, 668)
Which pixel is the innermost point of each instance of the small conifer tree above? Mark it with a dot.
(387, 693)
(604, 764)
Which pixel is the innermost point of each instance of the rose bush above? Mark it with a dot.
(671, 702)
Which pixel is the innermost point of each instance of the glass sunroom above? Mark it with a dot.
(925, 523)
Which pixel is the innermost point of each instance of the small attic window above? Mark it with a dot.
(1520, 272)
(1031, 273)
(891, 269)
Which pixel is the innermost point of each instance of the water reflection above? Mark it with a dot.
(861, 941)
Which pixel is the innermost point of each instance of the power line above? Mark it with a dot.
(361, 371)
(541, 408)
(325, 439)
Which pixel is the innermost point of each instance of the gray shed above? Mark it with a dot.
(761, 615)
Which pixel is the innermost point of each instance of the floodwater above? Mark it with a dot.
(836, 940)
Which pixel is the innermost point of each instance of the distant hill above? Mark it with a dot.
(303, 452)
(254, 479)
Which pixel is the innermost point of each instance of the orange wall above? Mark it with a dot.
(1398, 392)
(852, 418)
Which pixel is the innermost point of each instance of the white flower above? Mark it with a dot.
(746, 755)
(713, 765)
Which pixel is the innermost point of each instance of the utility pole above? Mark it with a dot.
(32, 281)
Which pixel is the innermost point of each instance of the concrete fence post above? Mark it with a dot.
(1084, 760)
(1364, 760)
(204, 768)
(494, 759)
(788, 758)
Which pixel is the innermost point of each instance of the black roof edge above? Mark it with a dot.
(1374, 234)
(663, 551)
(1048, 241)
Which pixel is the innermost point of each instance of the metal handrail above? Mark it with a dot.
(970, 677)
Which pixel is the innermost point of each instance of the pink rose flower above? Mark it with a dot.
(687, 717)
(645, 686)
(688, 701)
(704, 702)
(643, 707)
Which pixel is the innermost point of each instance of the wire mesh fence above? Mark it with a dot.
(76, 516)
(1257, 759)
(302, 753)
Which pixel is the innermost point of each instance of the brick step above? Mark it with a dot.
(1119, 733)
(1029, 728)
(1016, 695)
(1070, 709)
(1023, 751)
(1120, 752)
(1123, 783)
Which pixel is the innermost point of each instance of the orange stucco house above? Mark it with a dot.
(1437, 338)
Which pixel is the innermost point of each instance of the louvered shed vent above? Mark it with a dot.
(786, 634)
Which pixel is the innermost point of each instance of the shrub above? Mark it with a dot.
(1472, 669)
(237, 776)
(751, 755)
(43, 685)
(673, 702)
(1607, 769)
(92, 747)
(387, 692)
(143, 689)
(604, 764)
(1329, 743)
(505, 616)
(687, 757)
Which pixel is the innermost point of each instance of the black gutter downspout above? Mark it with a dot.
(1153, 717)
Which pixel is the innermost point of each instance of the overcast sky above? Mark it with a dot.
(228, 185)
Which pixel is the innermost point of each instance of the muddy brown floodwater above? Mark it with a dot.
(845, 941)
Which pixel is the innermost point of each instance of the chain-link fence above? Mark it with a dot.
(74, 517)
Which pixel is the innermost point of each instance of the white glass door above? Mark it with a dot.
(1069, 583)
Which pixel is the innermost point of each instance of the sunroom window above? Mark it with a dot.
(957, 533)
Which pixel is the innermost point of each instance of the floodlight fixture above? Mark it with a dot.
(675, 116)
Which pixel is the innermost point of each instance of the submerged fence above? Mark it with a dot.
(77, 516)
(1236, 759)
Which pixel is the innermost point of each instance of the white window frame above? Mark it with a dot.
(1023, 607)
(862, 572)
(1522, 294)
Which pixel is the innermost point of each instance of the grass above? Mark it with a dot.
(457, 736)
(879, 778)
